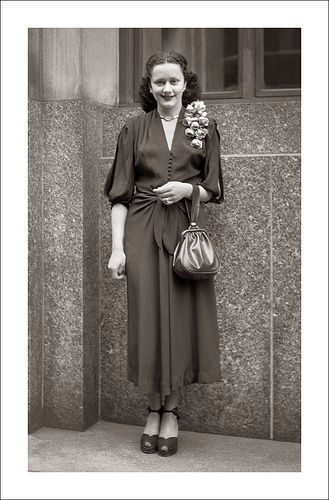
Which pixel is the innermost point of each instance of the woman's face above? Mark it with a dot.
(167, 86)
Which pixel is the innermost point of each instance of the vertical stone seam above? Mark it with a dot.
(100, 192)
(42, 268)
(117, 65)
(271, 303)
(82, 83)
(42, 230)
(83, 165)
(41, 93)
(99, 314)
(101, 138)
(100, 157)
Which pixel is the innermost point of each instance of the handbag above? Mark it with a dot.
(195, 258)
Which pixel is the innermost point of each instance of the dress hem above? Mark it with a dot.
(146, 387)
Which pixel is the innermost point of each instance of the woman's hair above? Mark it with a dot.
(192, 92)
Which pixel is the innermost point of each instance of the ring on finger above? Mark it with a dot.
(167, 200)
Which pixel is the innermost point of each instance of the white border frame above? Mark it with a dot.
(312, 481)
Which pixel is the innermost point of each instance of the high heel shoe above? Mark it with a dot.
(168, 446)
(149, 443)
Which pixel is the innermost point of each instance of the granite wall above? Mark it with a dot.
(257, 234)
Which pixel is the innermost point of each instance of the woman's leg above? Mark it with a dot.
(152, 425)
(169, 424)
(171, 401)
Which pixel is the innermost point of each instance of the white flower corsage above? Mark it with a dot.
(196, 122)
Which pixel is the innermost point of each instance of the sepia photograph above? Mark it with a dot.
(164, 315)
(165, 293)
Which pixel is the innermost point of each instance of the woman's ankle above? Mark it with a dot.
(171, 401)
(154, 400)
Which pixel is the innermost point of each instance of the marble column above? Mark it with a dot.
(64, 153)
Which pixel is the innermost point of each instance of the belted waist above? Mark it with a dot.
(166, 218)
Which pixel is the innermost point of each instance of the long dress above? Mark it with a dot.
(172, 322)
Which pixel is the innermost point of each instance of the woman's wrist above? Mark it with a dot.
(189, 191)
(205, 195)
(118, 248)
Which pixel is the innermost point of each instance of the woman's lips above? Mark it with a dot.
(168, 97)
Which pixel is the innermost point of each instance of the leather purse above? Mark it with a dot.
(195, 258)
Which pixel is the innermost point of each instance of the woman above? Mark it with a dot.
(172, 324)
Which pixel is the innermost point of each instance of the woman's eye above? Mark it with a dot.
(161, 82)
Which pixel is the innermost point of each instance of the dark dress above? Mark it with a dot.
(172, 322)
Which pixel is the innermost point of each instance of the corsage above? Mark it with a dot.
(196, 121)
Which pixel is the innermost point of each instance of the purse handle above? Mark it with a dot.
(193, 216)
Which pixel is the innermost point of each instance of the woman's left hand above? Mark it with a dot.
(173, 191)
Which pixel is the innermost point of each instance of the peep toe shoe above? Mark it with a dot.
(168, 446)
(149, 443)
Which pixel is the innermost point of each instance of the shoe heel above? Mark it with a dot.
(168, 446)
(148, 444)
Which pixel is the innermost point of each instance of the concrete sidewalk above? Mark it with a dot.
(110, 447)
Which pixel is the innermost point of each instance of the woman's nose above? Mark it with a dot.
(167, 88)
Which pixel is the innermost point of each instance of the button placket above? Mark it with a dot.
(169, 165)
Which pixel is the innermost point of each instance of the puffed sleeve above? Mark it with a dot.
(119, 186)
(213, 178)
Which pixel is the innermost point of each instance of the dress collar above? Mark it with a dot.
(177, 131)
(180, 116)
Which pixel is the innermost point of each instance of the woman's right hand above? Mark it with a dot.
(117, 264)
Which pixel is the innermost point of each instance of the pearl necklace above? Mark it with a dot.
(168, 118)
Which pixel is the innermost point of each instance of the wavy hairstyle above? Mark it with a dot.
(192, 92)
